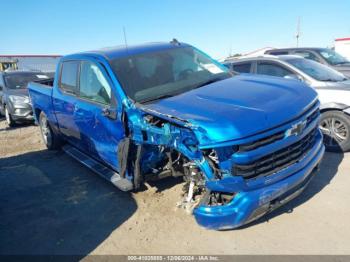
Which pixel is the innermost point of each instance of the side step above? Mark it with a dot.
(105, 172)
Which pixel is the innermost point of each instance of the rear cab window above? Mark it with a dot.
(69, 77)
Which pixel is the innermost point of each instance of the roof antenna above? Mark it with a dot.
(126, 43)
(175, 42)
(297, 35)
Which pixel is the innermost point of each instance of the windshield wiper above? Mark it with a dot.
(331, 80)
(343, 62)
(152, 99)
(210, 81)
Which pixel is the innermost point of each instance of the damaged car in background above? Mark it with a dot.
(244, 145)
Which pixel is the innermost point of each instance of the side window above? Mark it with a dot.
(242, 68)
(69, 75)
(278, 53)
(272, 69)
(93, 85)
(307, 55)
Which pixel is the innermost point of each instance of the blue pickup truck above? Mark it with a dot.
(244, 145)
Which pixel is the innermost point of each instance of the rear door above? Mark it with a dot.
(64, 100)
(97, 115)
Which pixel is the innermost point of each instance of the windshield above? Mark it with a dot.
(20, 81)
(316, 70)
(332, 57)
(150, 76)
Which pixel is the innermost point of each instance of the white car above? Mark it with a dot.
(333, 89)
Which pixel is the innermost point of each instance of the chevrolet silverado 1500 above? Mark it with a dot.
(245, 145)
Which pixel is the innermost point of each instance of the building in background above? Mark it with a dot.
(342, 46)
(44, 63)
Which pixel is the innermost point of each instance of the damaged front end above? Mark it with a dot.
(158, 145)
(227, 184)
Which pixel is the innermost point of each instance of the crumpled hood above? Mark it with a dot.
(239, 106)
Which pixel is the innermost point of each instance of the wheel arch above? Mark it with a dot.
(335, 107)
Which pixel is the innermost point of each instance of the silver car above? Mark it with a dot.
(333, 89)
(324, 56)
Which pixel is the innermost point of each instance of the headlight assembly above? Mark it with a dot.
(19, 99)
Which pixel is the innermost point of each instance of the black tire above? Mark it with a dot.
(335, 126)
(50, 139)
(10, 122)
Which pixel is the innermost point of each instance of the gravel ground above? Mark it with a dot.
(50, 204)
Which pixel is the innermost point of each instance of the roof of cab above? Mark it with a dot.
(123, 50)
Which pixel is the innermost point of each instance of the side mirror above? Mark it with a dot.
(294, 77)
(110, 113)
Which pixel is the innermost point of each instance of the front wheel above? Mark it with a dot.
(335, 126)
(50, 139)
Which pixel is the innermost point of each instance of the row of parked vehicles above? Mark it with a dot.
(245, 144)
(322, 69)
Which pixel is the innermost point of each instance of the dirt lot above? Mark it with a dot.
(50, 204)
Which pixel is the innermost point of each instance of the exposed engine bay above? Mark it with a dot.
(156, 148)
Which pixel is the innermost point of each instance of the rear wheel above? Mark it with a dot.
(50, 139)
(10, 122)
(335, 126)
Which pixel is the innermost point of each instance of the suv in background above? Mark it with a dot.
(324, 56)
(14, 98)
(333, 90)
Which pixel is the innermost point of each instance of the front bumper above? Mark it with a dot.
(249, 205)
(21, 112)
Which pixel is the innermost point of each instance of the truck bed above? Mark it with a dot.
(41, 98)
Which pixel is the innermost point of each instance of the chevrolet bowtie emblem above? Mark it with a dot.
(296, 129)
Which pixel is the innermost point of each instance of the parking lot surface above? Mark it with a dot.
(50, 204)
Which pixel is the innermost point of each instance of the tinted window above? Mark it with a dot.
(278, 53)
(307, 55)
(69, 74)
(93, 85)
(272, 69)
(242, 68)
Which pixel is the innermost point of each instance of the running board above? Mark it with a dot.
(105, 172)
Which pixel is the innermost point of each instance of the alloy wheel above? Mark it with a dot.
(335, 131)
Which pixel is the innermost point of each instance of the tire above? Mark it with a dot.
(335, 126)
(10, 122)
(50, 139)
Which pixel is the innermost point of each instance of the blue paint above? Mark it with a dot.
(222, 116)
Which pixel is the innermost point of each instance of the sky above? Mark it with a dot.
(219, 28)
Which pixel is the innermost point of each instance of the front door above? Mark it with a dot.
(96, 114)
